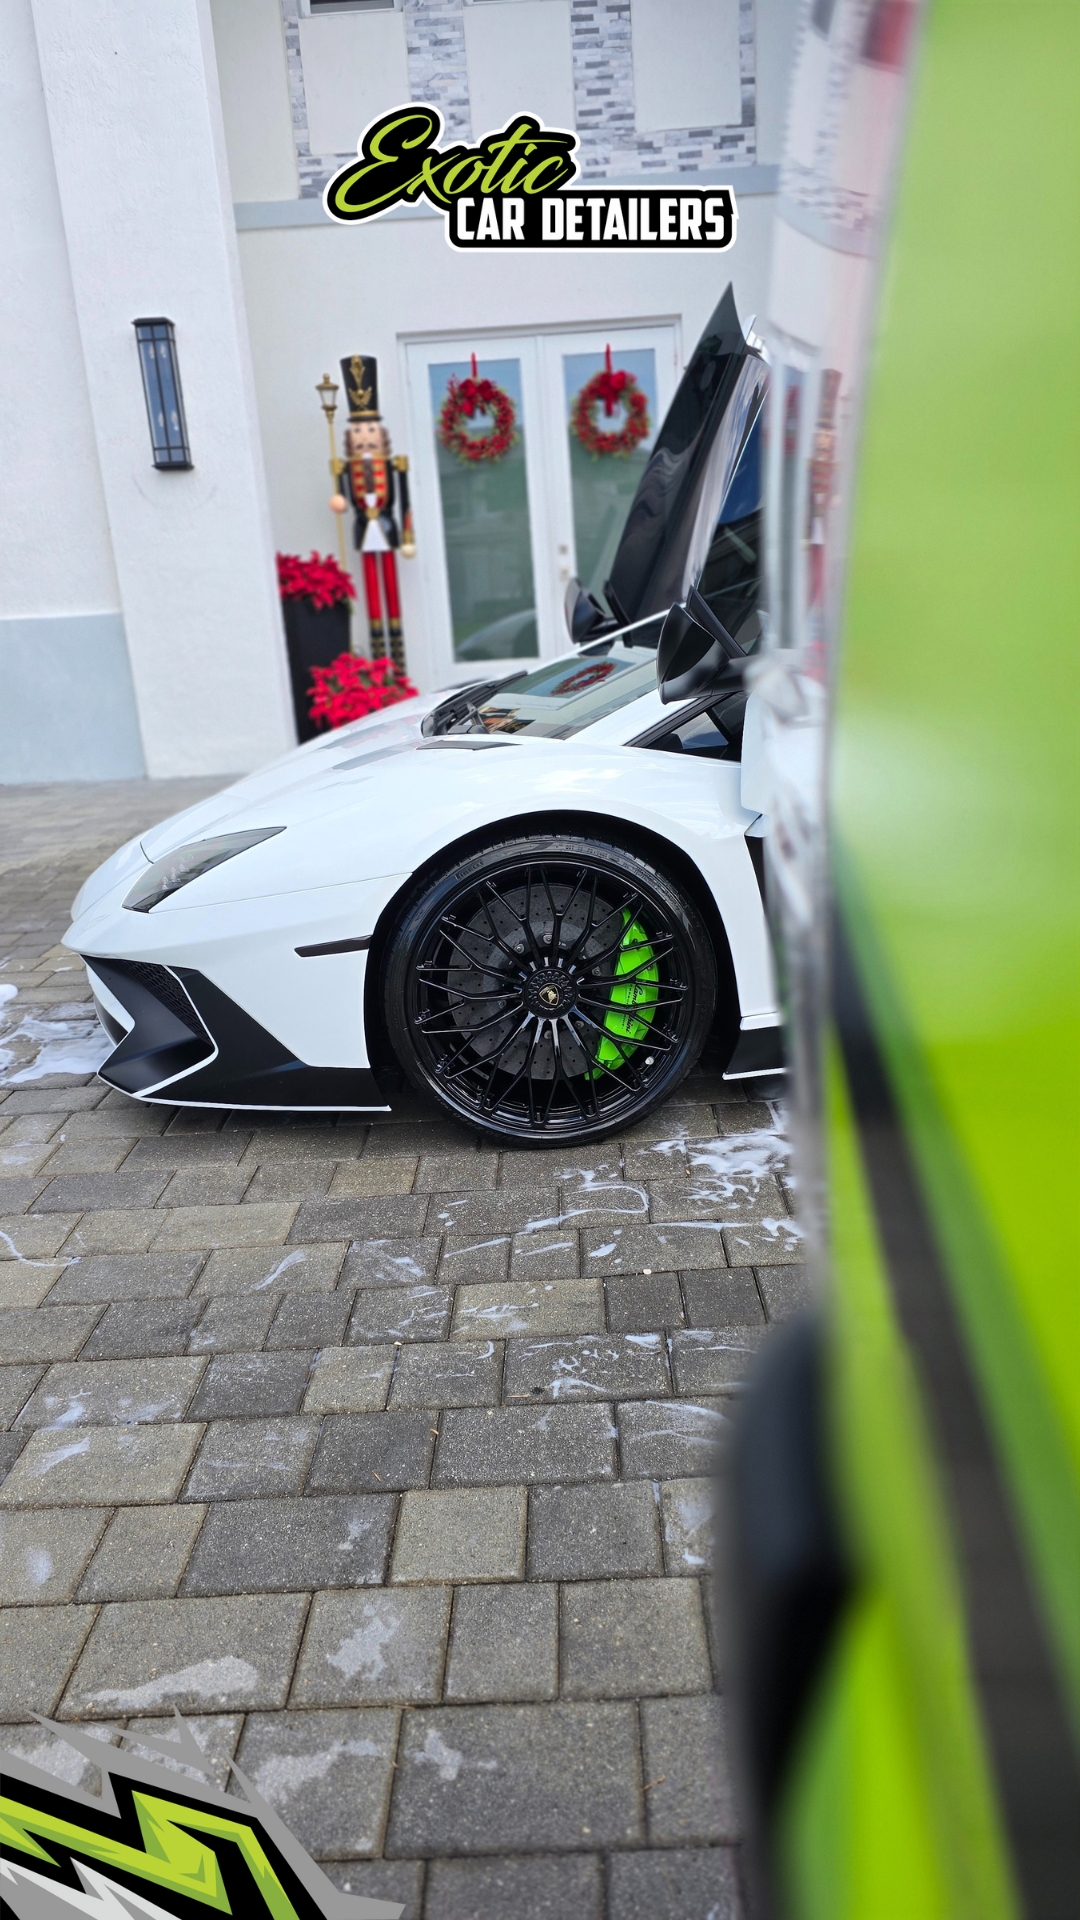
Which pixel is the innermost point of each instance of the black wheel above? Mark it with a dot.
(549, 988)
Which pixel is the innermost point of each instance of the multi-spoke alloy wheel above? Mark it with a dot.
(550, 988)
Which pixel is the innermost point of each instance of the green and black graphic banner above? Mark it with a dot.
(155, 1845)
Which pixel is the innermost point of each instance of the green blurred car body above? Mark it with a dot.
(933, 1773)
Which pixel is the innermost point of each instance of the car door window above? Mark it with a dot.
(730, 579)
(715, 733)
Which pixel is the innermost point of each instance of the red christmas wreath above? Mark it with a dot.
(612, 388)
(582, 679)
(464, 400)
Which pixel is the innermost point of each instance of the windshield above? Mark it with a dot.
(557, 699)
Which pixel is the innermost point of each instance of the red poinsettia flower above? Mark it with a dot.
(352, 686)
(319, 579)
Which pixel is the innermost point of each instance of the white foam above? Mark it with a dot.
(285, 1773)
(293, 1259)
(23, 1257)
(60, 1454)
(448, 1760)
(76, 1046)
(362, 1651)
(211, 1678)
(39, 1565)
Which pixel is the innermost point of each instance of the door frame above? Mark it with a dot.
(539, 350)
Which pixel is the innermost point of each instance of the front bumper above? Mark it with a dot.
(188, 1044)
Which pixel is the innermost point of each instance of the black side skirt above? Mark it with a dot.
(759, 1050)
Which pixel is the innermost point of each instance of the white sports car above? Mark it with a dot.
(536, 898)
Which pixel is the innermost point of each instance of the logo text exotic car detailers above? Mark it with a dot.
(511, 190)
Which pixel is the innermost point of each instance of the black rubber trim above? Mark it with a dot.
(758, 1050)
(1024, 1711)
(755, 847)
(464, 744)
(335, 946)
(671, 722)
(463, 704)
(112, 1026)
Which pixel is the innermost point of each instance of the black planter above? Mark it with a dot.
(314, 637)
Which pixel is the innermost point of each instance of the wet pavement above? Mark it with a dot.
(382, 1455)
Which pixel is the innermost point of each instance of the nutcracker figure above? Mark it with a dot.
(374, 481)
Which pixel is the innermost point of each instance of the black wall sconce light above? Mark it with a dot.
(164, 399)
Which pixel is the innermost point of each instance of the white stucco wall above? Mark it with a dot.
(55, 551)
(519, 55)
(686, 63)
(775, 23)
(355, 67)
(67, 706)
(253, 77)
(138, 145)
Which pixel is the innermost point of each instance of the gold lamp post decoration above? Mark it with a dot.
(328, 392)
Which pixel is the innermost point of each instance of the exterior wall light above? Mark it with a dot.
(164, 399)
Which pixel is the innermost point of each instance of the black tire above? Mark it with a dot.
(549, 988)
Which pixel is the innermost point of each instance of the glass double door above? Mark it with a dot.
(499, 537)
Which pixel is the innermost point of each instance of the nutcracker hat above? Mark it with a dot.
(361, 376)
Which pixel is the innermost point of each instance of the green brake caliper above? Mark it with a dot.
(638, 992)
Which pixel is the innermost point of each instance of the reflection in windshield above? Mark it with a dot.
(560, 699)
(557, 699)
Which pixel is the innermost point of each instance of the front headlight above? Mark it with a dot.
(175, 870)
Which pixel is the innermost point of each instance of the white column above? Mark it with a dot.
(135, 121)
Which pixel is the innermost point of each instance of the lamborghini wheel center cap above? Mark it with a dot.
(549, 993)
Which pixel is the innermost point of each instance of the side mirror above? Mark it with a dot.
(695, 653)
(585, 619)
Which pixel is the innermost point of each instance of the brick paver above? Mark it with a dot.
(385, 1456)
